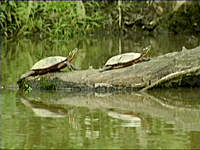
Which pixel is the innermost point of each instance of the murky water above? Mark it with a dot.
(168, 118)
(51, 119)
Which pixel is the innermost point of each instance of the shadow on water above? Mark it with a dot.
(56, 119)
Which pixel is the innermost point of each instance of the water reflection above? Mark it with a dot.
(53, 119)
(128, 120)
(43, 110)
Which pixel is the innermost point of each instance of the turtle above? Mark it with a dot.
(124, 60)
(51, 64)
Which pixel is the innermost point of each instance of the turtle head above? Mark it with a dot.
(72, 54)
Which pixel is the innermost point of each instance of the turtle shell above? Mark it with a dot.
(123, 59)
(48, 62)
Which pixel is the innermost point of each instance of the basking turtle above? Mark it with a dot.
(51, 64)
(124, 60)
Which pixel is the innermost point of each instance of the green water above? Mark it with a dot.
(52, 119)
(168, 118)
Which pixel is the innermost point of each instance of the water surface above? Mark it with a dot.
(51, 119)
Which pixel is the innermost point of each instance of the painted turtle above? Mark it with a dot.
(124, 60)
(51, 64)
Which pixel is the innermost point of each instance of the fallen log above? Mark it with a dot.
(170, 70)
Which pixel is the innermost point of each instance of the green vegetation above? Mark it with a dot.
(53, 19)
(63, 20)
(27, 88)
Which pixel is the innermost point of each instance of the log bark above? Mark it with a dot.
(170, 70)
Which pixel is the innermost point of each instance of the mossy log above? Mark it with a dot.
(170, 70)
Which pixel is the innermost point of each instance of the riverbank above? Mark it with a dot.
(64, 20)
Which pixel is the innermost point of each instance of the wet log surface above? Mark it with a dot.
(179, 68)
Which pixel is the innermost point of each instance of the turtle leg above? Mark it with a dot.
(73, 67)
(70, 66)
(145, 59)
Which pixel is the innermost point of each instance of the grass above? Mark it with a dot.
(55, 20)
